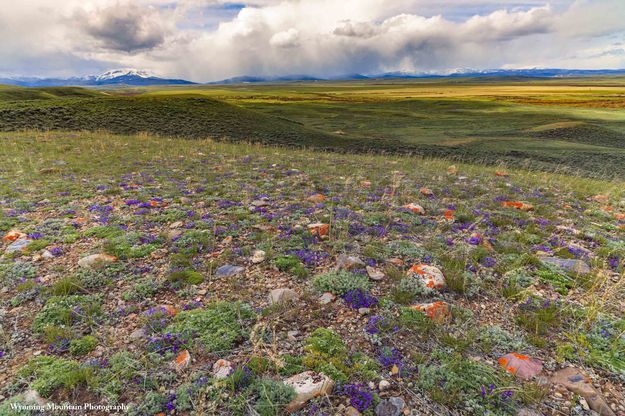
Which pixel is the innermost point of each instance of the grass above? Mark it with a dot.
(572, 126)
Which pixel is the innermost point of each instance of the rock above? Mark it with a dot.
(176, 224)
(415, 208)
(520, 365)
(326, 298)
(185, 200)
(282, 295)
(18, 245)
(319, 229)
(346, 262)
(426, 191)
(528, 412)
(222, 369)
(384, 385)
(351, 411)
(183, 359)
(137, 334)
(258, 256)
(375, 274)
(292, 335)
(13, 235)
(31, 396)
(307, 386)
(578, 383)
(390, 407)
(228, 270)
(316, 199)
(364, 311)
(47, 255)
(260, 203)
(452, 170)
(571, 265)
(518, 205)
(96, 260)
(431, 276)
(439, 312)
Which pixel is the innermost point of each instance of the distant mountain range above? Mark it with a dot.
(134, 77)
(131, 77)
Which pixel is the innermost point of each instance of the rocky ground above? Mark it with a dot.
(179, 277)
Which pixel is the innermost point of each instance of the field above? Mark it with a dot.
(196, 276)
(565, 125)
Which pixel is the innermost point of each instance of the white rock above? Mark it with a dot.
(375, 274)
(282, 295)
(258, 256)
(307, 386)
(384, 385)
(326, 298)
(222, 369)
(96, 260)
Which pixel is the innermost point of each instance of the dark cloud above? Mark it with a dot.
(126, 28)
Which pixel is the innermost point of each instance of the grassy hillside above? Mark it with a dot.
(194, 235)
(573, 126)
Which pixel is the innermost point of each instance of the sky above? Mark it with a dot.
(209, 40)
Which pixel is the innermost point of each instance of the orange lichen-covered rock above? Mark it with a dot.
(518, 205)
(619, 216)
(415, 208)
(182, 360)
(319, 229)
(365, 184)
(12, 236)
(426, 191)
(601, 198)
(449, 215)
(169, 310)
(439, 312)
(316, 199)
(501, 173)
(431, 276)
(521, 365)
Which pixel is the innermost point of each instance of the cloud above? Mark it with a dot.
(286, 39)
(124, 27)
(206, 40)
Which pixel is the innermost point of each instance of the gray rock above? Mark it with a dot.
(137, 334)
(390, 407)
(570, 265)
(228, 270)
(18, 245)
(348, 262)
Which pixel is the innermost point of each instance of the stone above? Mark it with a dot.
(375, 274)
(452, 170)
(319, 229)
(326, 298)
(351, 411)
(260, 203)
(307, 386)
(316, 199)
(426, 191)
(571, 265)
(176, 224)
(292, 335)
(222, 368)
(183, 359)
(258, 256)
(415, 208)
(18, 245)
(521, 365)
(31, 396)
(518, 205)
(575, 381)
(282, 295)
(96, 260)
(137, 334)
(384, 385)
(346, 262)
(13, 235)
(431, 276)
(228, 270)
(439, 312)
(525, 411)
(390, 407)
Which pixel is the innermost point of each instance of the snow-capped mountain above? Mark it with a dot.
(127, 76)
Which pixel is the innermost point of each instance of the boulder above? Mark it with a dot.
(375, 274)
(431, 276)
(521, 365)
(282, 295)
(439, 312)
(182, 361)
(316, 198)
(307, 386)
(326, 298)
(228, 270)
(319, 229)
(222, 369)
(346, 262)
(18, 245)
(96, 260)
(415, 208)
(576, 382)
(390, 407)
(258, 256)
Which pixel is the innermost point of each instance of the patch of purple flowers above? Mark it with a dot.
(358, 298)
(360, 396)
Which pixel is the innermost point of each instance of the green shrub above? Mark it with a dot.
(273, 396)
(67, 310)
(65, 286)
(82, 346)
(48, 374)
(340, 282)
(190, 277)
(215, 328)
(291, 264)
(129, 246)
(408, 289)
